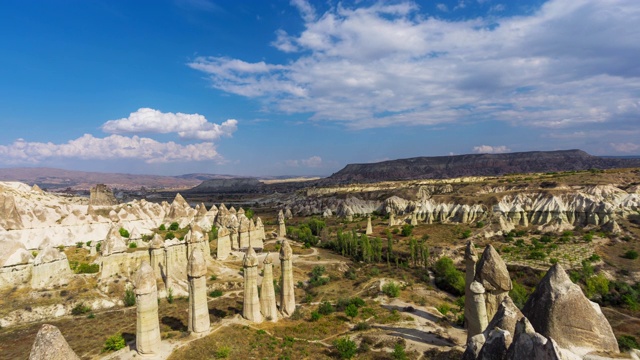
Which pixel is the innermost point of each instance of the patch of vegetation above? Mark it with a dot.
(216, 293)
(399, 352)
(170, 295)
(169, 236)
(84, 268)
(391, 289)
(519, 294)
(129, 297)
(223, 352)
(124, 232)
(133, 245)
(447, 277)
(162, 227)
(406, 230)
(114, 343)
(627, 342)
(631, 254)
(174, 226)
(346, 347)
(325, 308)
(80, 309)
(316, 276)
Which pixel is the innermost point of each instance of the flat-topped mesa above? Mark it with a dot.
(251, 304)
(492, 273)
(51, 269)
(114, 242)
(558, 309)
(51, 345)
(268, 294)
(282, 229)
(147, 324)
(198, 308)
(287, 293)
(101, 195)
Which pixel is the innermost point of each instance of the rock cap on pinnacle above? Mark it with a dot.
(144, 280)
(492, 272)
(197, 264)
(250, 258)
(51, 345)
(267, 259)
(285, 251)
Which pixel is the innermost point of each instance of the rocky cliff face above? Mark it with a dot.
(443, 167)
(558, 210)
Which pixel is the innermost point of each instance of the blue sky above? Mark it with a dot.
(305, 87)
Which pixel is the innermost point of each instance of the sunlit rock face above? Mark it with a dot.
(51, 345)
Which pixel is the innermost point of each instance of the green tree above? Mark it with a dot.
(406, 230)
(129, 297)
(114, 343)
(346, 347)
(124, 233)
(174, 226)
(399, 352)
(391, 289)
(447, 277)
(351, 311)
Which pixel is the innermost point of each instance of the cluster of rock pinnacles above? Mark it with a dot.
(557, 322)
(51, 345)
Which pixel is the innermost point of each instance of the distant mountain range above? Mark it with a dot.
(443, 167)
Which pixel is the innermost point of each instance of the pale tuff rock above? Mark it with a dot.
(392, 218)
(474, 346)
(147, 324)
(176, 261)
(492, 273)
(156, 254)
(287, 294)
(10, 218)
(282, 230)
(414, 219)
(506, 318)
(180, 211)
(558, 309)
(474, 325)
(51, 345)
(233, 211)
(51, 268)
(327, 213)
(101, 195)
(348, 214)
(224, 243)
(14, 253)
(478, 312)
(114, 242)
(198, 308)
(268, 294)
(527, 344)
(369, 229)
(251, 304)
(240, 213)
(36, 189)
(287, 214)
(495, 346)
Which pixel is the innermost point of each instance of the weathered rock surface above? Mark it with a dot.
(198, 307)
(51, 269)
(287, 293)
(51, 345)
(527, 344)
(558, 309)
(251, 304)
(147, 323)
(492, 273)
(102, 195)
(268, 294)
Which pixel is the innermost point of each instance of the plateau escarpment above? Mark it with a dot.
(443, 167)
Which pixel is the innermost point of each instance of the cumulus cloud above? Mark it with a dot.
(187, 126)
(488, 149)
(566, 65)
(110, 147)
(312, 162)
(625, 147)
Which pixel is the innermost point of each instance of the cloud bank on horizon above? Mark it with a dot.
(567, 64)
(315, 85)
(144, 120)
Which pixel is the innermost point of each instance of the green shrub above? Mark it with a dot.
(536, 255)
(518, 294)
(443, 308)
(631, 254)
(315, 316)
(351, 311)
(447, 277)
(480, 224)
(124, 233)
(169, 236)
(216, 293)
(223, 352)
(391, 289)
(79, 244)
(88, 243)
(98, 246)
(133, 245)
(162, 227)
(170, 295)
(466, 234)
(627, 342)
(174, 226)
(361, 326)
(114, 343)
(213, 278)
(399, 353)
(597, 285)
(346, 347)
(325, 308)
(129, 297)
(84, 268)
(358, 302)
(406, 230)
(80, 309)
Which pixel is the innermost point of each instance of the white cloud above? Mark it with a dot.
(487, 149)
(110, 147)
(442, 7)
(566, 65)
(187, 126)
(312, 162)
(625, 147)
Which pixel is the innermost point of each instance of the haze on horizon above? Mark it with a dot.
(304, 88)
